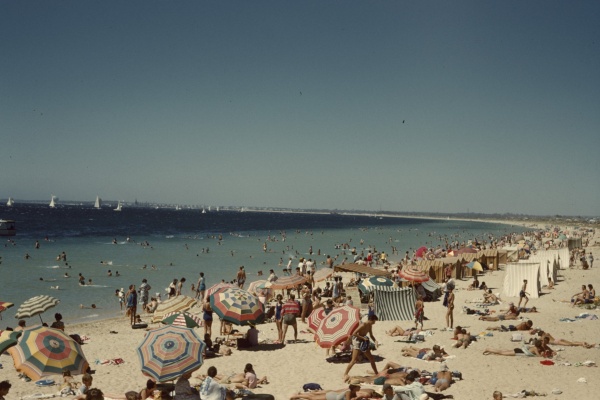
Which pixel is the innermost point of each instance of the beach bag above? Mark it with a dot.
(309, 387)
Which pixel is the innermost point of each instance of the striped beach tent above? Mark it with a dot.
(394, 304)
(514, 276)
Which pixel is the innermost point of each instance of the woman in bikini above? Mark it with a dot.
(525, 351)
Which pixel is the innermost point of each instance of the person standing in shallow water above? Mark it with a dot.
(241, 277)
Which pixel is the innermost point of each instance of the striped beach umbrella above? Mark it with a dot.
(237, 306)
(167, 353)
(322, 274)
(216, 287)
(337, 326)
(36, 306)
(366, 285)
(174, 304)
(314, 319)
(8, 339)
(288, 282)
(475, 265)
(413, 275)
(43, 351)
(261, 288)
(184, 319)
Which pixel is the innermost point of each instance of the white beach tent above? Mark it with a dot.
(394, 304)
(546, 261)
(552, 264)
(516, 273)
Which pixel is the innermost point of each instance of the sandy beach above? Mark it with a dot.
(289, 368)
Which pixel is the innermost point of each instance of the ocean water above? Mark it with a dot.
(182, 243)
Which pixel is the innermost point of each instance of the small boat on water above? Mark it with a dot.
(8, 227)
(119, 207)
(10, 202)
(52, 203)
(98, 203)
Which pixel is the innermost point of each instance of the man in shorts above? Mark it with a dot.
(289, 312)
(361, 344)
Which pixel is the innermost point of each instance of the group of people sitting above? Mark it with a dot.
(586, 296)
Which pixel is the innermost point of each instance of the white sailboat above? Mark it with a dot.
(52, 203)
(177, 208)
(217, 209)
(203, 210)
(10, 202)
(119, 206)
(98, 202)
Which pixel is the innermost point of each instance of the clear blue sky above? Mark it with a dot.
(439, 106)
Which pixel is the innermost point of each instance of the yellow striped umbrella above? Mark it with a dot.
(43, 351)
(174, 304)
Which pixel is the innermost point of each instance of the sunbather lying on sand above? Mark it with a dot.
(463, 339)
(523, 326)
(398, 331)
(353, 392)
(561, 342)
(437, 353)
(527, 351)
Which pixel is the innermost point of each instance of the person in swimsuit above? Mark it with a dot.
(523, 294)
(525, 351)
(561, 342)
(419, 313)
(353, 392)
(581, 297)
(241, 277)
(444, 379)
(437, 353)
(207, 316)
(278, 316)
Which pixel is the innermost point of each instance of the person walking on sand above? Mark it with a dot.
(523, 294)
(361, 344)
(450, 312)
(419, 313)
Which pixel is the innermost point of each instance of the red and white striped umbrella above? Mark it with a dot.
(314, 319)
(288, 282)
(413, 275)
(216, 287)
(337, 326)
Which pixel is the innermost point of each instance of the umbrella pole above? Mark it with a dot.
(40, 315)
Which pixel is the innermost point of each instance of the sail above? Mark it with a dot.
(10, 202)
(52, 204)
(98, 202)
(119, 207)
